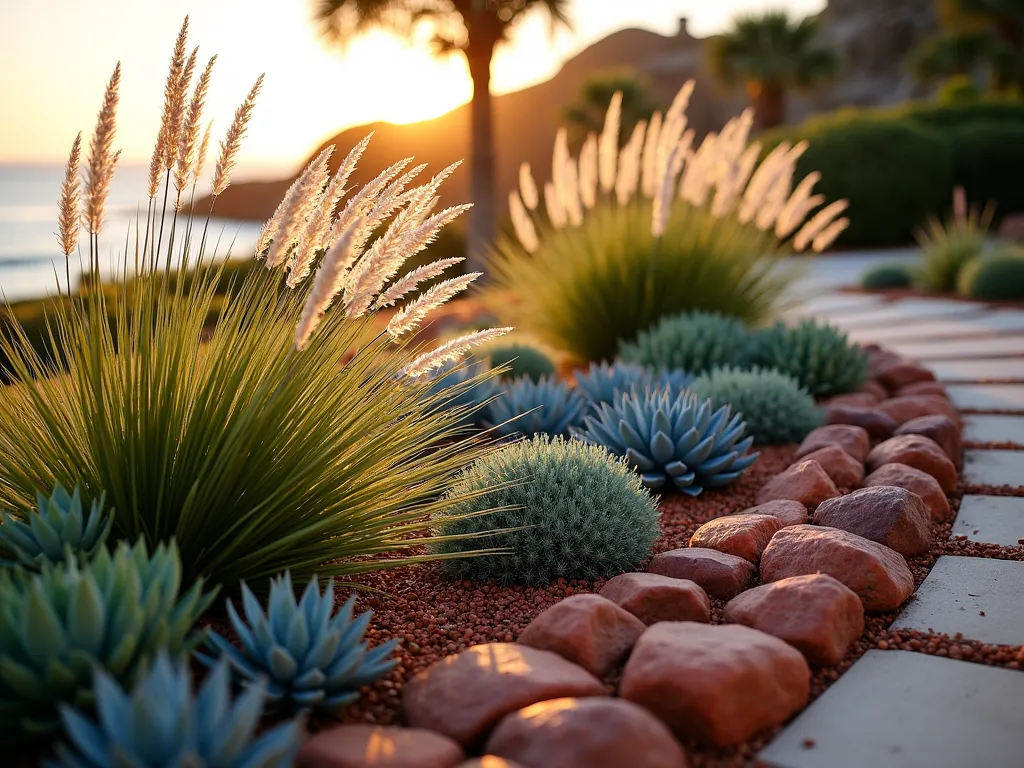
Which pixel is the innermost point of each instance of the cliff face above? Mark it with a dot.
(872, 36)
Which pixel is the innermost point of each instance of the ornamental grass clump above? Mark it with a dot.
(672, 440)
(565, 510)
(694, 342)
(525, 407)
(466, 388)
(114, 613)
(947, 246)
(820, 357)
(659, 227)
(776, 408)
(160, 722)
(250, 443)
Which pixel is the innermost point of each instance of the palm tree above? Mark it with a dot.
(474, 28)
(770, 54)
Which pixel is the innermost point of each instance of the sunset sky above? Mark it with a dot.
(56, 55)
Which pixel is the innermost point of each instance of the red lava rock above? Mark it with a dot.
(369, 746)
(588, 630)
(879, 575)
(786, 511)
(923, 388)
(901, 373)
(918, 452)
(464, 695)
(652, 597)
(816, 614)
(586, 733)
(715, 684)
(805, 482)
(939, 428)
(876, 390)
(745, 536)
(921, 483)
(877, 423)
(892, 516)
(721, 575)
(856, 399)
(903, 409)
(845, 471)
(851, 438)
(489, 761)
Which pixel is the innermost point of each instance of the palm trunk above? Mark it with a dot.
(769, 103)
(481, 154)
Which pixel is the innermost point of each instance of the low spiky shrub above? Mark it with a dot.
(694, 342)
(883, 276)
(521, 360)
(573, 513)
(820, 357)
(601, 383)
(159, 722)
(311, 657)
(115, 613)
(528, 408)
(998, 276)
(672, 440)
(776, 408)
(948, 245)
(250, 442)
(57, 531)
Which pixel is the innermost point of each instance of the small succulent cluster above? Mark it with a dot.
(528, 408)
(572, 512)
(521, 360)
(694, 342)
(116, 611)
(161, 722)
(311, 657)
(776, 408)
(678, 440)
(820, 357)
(602, 383)
(60, 530)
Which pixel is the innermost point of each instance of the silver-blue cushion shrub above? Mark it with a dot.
(521, 360)
(777, 409)
(580, 514)
(693, 342)
(676, 441)
(601, 383)
(312, 658)
(528, 408)
(59, 528)
(820, 357)
(162, 723)
(114, 612)
(463, 386)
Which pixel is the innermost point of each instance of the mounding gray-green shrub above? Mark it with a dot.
(997, 276)
(820, 357)
(883, 276)
(694, 342)
(581, 514)
(528, 407)
(521, 360)
(776, 408)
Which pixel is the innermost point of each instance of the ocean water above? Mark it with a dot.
(29, 254)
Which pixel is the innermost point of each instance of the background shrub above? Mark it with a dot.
(819, 357)
(777, 410)
(997, 276)
(882, 276)
(947, 245)
(584, 515)
(988, 162)
(522, 360)
(694, 342)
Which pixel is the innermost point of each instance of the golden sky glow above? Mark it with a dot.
(55, 56)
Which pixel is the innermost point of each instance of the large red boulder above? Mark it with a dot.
(805, 482)
(921, 483)
(918, 452)
(652, 597)
(903, 409)
(464, 695)
(716, 685)
(745, 536)
(923, 388)
(816, 614)
(939, 428)
(876, 422)
(719, 574)
(787, 512)
(878, 575)
(896, 374)
(845, 471)
(587, 629)
(376, 746)
(887, 514)
(851, 438)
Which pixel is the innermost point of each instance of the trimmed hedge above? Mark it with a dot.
(988, 161)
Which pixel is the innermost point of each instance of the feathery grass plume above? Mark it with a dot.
(554, 207)
(528, 187)
(828, 235)
(700, 171)
(451, 351)
(99, 170)
(303, 196)
(672, 129)
(776, 195)
(762, 179)
(571, 193)
(190, 127)
(588, 171)
(232, 140)
(731, 186)
(560, 159)
(818, 224)
(649, 162)
(415, 312)
(176, 121)
(628, 176)
(361, 205)
(68, 217)
(800, 203)
(662, 206)
(410, 280)
(608, 144)
(170, 120)
(522, 223)
(204, 147)
(156, 166)
(326, 284)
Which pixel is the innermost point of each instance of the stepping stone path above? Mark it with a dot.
(883, 711)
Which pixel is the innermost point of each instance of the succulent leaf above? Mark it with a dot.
(526, 407)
